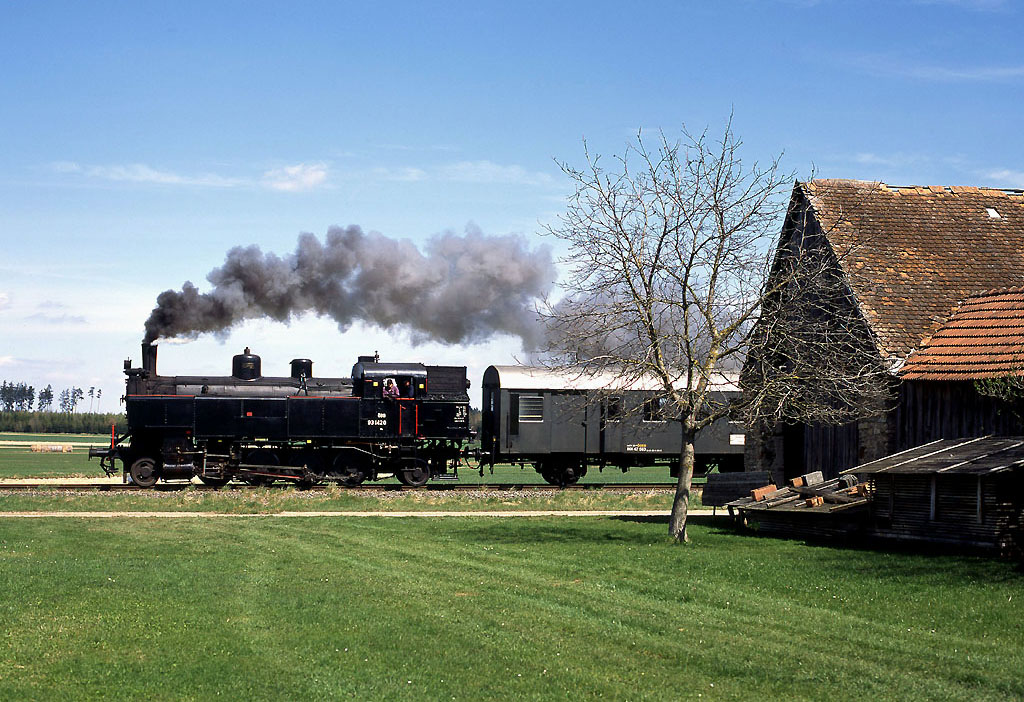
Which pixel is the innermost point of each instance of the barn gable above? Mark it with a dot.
(910, 254)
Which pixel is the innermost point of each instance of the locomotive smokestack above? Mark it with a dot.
(458, 289)
(149, 357)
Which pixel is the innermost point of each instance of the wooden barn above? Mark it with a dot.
(907, 257)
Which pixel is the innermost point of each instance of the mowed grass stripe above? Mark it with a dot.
(531, 609)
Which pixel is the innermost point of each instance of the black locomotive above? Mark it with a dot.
(406, 419)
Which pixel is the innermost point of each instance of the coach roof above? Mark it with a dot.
(532, 378)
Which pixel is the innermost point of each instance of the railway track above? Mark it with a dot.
(455, 487)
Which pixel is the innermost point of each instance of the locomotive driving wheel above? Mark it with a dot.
(214, 482)
(416, 473)
(263, 457)
(346, 472)
(143, 472)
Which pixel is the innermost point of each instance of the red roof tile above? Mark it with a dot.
(912, 253)
(983, 339)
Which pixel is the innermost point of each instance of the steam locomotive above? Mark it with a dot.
(405, 419)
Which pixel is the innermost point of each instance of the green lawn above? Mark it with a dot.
(481, 608)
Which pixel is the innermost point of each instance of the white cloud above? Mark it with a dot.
(485, 172)
(1006, 177)
(977, 5)
(972, 74)
(406, 174)
(895, 67)
(56, 319)
(490, 172)
(65, 167)
(870, 159)
(6, 361)
(308, 176)
(141, 173)
(5, 300)
(302, 176)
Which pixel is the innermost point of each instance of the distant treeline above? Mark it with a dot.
(59, 422)
(20, 397)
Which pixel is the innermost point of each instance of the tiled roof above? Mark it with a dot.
(912, 253)
(983, 339)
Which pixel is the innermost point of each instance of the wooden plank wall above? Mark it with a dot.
(930, 410)
(830, 449)
(905, 506)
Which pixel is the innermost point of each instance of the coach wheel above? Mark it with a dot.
(551, 477)
(550, 473)
(414, 475)
(571, 475)
(143, 472)
(564, 474)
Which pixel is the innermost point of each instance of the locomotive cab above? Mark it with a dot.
(370, 379)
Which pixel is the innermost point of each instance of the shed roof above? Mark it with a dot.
(912, 253)
(980, 456)
(983, 339)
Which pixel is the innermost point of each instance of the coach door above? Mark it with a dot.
(527, 428)
(489, 422)
(611, 424)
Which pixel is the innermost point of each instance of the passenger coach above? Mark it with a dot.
(564, 422)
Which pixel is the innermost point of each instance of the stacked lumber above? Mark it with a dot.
(807, 507)
(807, 492)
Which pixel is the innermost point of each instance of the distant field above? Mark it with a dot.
(18, 461)
(85, 439)
(490, 609)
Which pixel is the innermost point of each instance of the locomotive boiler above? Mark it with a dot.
(406, 419)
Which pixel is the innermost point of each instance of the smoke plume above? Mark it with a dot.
(460, 289)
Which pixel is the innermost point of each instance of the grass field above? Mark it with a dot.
(472, 609)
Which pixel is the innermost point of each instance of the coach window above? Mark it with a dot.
(614, 409)
(531, 408)
(654, 409)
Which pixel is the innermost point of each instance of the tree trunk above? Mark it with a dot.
(681, 502)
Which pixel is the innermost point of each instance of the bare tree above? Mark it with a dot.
(670, 252)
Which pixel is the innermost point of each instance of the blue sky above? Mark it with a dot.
(139, 141)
